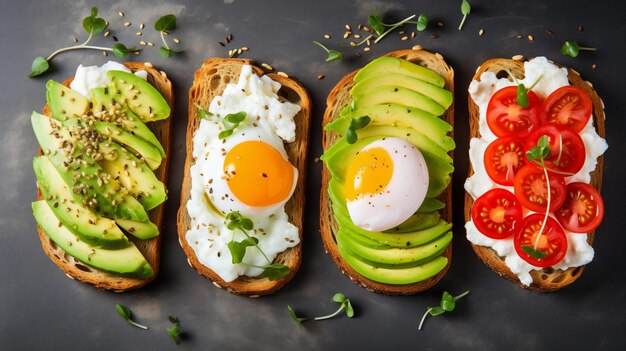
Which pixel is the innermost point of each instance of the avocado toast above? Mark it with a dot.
(101, 171)
(402, 93)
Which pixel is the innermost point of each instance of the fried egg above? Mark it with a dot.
(248, 171)
(386, 182)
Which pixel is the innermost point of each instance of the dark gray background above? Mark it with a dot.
(41, 309)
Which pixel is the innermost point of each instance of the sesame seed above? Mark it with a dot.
(320, 77)
(438, 55)
(531, 38)
(517, 57)
(163, 74)
(439, 24)
(348, 27)
(230, 53)
(434, 36)
(245, 48)
(346, 35)
(142, 43)
(104, 53)
(581, 28)
(282, 74)
(366, 49)
(267, 67)
(222, 44)
(417, 47)
(150, 43)
(412, 35)
(404, 38)
(518, 36)
(138, 33)
(142, 26)
(127, 24)
(594, 66)
(352, 43)
(357, 36)
(176, 40)
(106, 34)
(121, 14)
(548, 32)
(148, 64)
(481, 32)
(326, 36)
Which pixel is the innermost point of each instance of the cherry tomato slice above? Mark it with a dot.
(504, 158)
(582, 210)
(569, 106)
(497, 214)
(567, 149)
(551, 244)
(505, 117)
(531, 189)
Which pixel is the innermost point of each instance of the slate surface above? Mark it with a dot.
(41, 309)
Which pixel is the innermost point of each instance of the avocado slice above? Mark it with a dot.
(430, 205)
(127, 261)
(135, 144)
(87, 180)
(387, 64)
(398, 95)
(141, 97)
(417, 222)
(412, 256)
(134, 175)
(140, 230)
(64, 102)
(441, 96)
(92, 229)
(430, 126)
(105, 99)
(394, 276)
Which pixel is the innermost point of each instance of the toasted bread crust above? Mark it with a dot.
(337, 99)
(210, 80)
(547, 279)
(150, 248)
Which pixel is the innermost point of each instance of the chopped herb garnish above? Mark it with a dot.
(165, 25)
(235, 221)
(174, 331)
(332, 54)
(339, 298)
(92, 24)
(465, 10)
(356, 124)
(447, 304)
(572, 49)
(126, 314)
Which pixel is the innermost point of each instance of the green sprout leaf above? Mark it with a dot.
(296, 319)
(120, 50)
(174, 333)
(376, 23)
(572, 49)
(203, 113)
(236, 118)
(422, 22)
(539, 152)
(165, 52)
(447, 304)
(465, 10)
(165, 23)
(275, 271)
(126, 314)
(356, 124)
(225, 134)
(349, 309)
(538, 254)
(522, 96)
(351, 136)
(238, 248)
(333, 55)
(93, 24)
(344, 305)
(39, 66)
(339, 297)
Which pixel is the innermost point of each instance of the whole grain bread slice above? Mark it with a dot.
(150, 249)
(547, 279)
(338, 98)
(210, 80)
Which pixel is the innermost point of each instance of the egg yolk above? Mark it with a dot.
(369, 173)
(257, 174)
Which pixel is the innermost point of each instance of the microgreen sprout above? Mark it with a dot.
(126, 314)
(332, 54)
(338, 298)
(231, 121)
(382, 29)
(235, 221)
(572, 49)
(174, 331)
(522, 91)
(447, 304)
(92, 24)
(356, 124)
(203, 113)
(465, 10)
(422, 22)
(165, 25)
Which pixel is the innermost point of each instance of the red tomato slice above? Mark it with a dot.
(503, 159)
(531, 189)
(569, 106)
(497, 214)
(505, 117)
(582, 210)
(552, 242)
(567, 149)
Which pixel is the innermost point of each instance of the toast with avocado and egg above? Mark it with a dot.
(101, 169)
(525, 267)
(247, 138)
(386, 207)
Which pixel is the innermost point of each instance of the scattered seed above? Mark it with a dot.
(74, 39)
(114, 38)
(138, 33)
(230, 53)
(104, 53)
(282, 74)
(239, 51)
(581, 28)
(594, 66)
(164, 75)
(142, 43)
(417, 47)
(176, 40)
(150, 43)
(434, 36)
(316, 160)
(439, 24)
(267, 67)
(401, 32)
(121, 14)
(531, 38)
(320, 77)
(481, 32)
(348, 27)
(326, 36)
(359, 27)
(148, 64)
(127, 24)
(518, 36)
(106, 34)
(518, 57)
(357, 36)
(142, 26)
(245, 48)
(346, 35)
(366, 49)
(412, 35)
(549, 32)
(222, 44)
(367, 29)
(352, 43)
